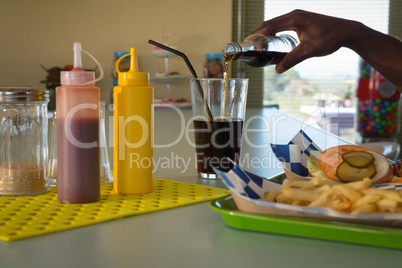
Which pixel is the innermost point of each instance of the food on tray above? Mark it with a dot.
(354, 197)
(348, 163)
(182, 100)
(161, 74)
(397, 172)
(169, 101)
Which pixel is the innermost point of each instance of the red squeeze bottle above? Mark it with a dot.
(78, 116)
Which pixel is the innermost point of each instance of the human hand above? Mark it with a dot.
(319, 35)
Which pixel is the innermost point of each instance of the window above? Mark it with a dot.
(324, 80)
(330, 78)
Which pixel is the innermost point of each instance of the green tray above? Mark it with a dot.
(311, 228)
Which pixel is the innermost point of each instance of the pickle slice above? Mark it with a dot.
(358, 159)
(347, 173)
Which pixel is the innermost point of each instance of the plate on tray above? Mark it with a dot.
(309, 228)
(247, 190)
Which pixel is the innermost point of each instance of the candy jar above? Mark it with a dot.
(124, 64)
(213, 67)
(377, 106)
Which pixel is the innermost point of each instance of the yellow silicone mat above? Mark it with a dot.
(28, 216)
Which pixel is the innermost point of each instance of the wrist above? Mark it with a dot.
(356, 33)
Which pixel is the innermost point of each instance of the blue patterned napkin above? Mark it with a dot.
(294, 155)
(246, 183)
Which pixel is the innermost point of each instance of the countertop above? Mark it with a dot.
(195, 235)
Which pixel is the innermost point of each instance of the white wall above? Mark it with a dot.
(35, 32)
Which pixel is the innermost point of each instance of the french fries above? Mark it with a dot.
(354, 197)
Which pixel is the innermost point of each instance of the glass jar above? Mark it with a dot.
(213, 67)
(378, 104)
(259, 50)
(124, 63)
(124, 66)
(23, 141)
(52, 155)
(105, 172)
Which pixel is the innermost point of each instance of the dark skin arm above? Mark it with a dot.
(321, 35)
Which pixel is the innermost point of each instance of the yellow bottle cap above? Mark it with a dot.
(132, 77)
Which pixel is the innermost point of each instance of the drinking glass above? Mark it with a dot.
(218, 138)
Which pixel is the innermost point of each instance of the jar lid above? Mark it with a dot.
(378, 88)
(119, 54)
(214, 56)
(23, 94)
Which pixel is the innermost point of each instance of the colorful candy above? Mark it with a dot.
(377, 117)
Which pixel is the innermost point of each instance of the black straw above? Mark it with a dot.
(181, 54)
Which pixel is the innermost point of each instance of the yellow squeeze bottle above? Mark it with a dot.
(133, 130)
